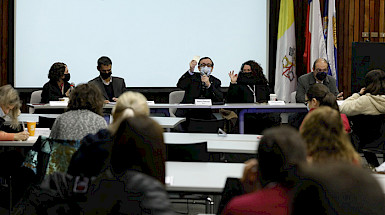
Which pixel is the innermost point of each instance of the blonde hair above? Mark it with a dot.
(9, 96)
(325, 137)
(129, 104)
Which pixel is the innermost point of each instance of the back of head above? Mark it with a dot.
(138, 145)
(129, 104)
(337, 188)
(323, 95)
(104, 60)
(56, 71)
(10, 97)
(375, 82)
(325, 137)
(86, 97)
(279, 151)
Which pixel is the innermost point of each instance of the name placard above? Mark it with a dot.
(150, 102)
(204, 102)
(276, 103)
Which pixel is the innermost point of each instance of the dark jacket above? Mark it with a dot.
(194, 89)
(305, 81)
(119, 87)
(52, 92)
(241, 93)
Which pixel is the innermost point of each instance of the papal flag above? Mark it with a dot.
(285, 77)
(315, 46)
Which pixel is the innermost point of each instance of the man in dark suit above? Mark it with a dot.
(110, 86)
(200, 85)
(319, 75)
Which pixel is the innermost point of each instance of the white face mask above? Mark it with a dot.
(206, 70)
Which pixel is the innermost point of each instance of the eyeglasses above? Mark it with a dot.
(203, 65)
(322, 70)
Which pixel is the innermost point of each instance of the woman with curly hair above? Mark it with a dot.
(10, 106)
(84, 114)
(57, 86)
(251, 86)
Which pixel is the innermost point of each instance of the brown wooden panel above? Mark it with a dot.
(4, 41)
(381, 27)
(349, 54)
(367, 14)
(371, 19)
(356, 20)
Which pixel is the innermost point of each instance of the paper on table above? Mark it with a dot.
(58, 103)
(43, 132)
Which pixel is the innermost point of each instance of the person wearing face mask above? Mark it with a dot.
(251, 86)
(57, 86)
(110, 86)
(10, 106)
(200, 85)
(319, 75)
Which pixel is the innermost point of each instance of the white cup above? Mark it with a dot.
(273, 97)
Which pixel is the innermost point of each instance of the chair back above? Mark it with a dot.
(175, 97)
(189, 152)
(35, 99)
(204, 125)
(369, 130)
(45, 122)
(292, 97)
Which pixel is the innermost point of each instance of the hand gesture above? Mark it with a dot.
(68, 92)
(193, 64)
(21, 136)
(205, 79)
(362, 91)
(340, 96)
(233, 77)
(115, 99)
(249, 179)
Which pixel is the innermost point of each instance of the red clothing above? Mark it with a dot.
(272, 200)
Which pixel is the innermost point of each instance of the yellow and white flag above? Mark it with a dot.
(285, 77)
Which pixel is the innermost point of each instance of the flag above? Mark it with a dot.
(285, 77)
(330, 31)
(315, 46)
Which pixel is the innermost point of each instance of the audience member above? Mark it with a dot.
(337, 189)
(319, 75)
(319, 95)
(370, 100)
(110, 86)
(325, 137)
(57, 86)
(268, 180)
(251, 86)
(10, 106)
(91, 157)
(84, 114)
(200, 85)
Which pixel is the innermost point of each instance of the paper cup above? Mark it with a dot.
(273, 97)
(31, 126)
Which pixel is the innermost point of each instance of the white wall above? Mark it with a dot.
(150, 42)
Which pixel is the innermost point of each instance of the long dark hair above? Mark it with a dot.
(138, 145)
(257, 71)
(375, 82)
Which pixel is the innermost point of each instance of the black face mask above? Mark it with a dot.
(246, 78)
(321, 76)
(105, 75)
(67, 77)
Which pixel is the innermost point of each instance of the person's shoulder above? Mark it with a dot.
(97, 79)
(117, 78)
(306, 75)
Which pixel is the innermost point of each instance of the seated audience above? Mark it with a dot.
(269, 179)
(337, 189)
(92, 154)
(84, 114)
(325, 137)
(370, 100)
(10, 106)
(319, 95)
(57, 86)
(251, 86)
